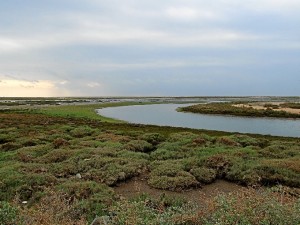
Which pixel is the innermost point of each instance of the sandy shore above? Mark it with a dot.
(261, 106)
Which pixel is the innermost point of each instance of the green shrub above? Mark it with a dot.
(182, 137)
(33, 184)
(139, 146)
(292, 105)
(182, 180)
(9, 215)
(132, 155)
(4, 138)
(271, 175)
(110, 144)
(227, 141)
(66, 128)
(245, 140)
(55, 156)
(60, 142)
(10, 146)
(163, 154)
(204, 175)
(10, 180)
(28, 154)
(263, 173)
(244, 172)
(81, 131)
(252, 208)
(153, 138)
(145, 210)
(93, 198)
(220, 163)
(64, 169)
(171, 146)
(111, 170)
(28, 142)
(171, 177)
(174, 150)
(280, 150)
(57, 135)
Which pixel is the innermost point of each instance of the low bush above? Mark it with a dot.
(245, 140)
(271, 175)
(220, 163)
(133, 155)
(153, 138)
(171, 177)
(55, 207)
(280, 150)
(55, 156)
(33, 184)
(9, 215)
(91, 198)
(227, 141)
(163, 154)
(204, 175)
(290, 105)
(10, 146)
(81, 131)
(139, 146)
(28, 154)
(149, 211)
(4, 138)
(111, 170)
(60, 142)
(244, 173)
(252, 208)
(182, 137)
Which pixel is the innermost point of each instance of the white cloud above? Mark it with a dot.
(101, 35)
(189, 14)
(136, 25)
(93, 84)
(8, 44)
(63, 82)
(184, 13)
(278, 6)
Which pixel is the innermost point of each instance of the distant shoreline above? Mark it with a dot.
(284, 110)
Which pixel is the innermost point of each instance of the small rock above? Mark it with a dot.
(78, 176)
(24, 202)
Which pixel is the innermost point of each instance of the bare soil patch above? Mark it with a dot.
(199, 196)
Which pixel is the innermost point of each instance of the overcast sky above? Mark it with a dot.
(149, 47)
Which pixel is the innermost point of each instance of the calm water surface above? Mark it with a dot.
(166, 115)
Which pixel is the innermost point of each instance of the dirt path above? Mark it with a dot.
(137, 186)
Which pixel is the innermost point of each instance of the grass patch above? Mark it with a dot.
(84, 111)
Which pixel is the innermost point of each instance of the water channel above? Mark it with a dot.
(166, 115)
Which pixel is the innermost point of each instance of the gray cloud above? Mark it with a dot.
(155, 47)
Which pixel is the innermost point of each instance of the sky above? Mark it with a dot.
(52, 48)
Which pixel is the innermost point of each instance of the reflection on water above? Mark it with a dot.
(166, 114)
